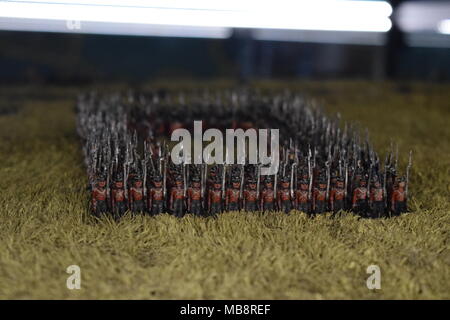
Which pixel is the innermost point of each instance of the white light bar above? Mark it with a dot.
(327, 15)
(444, 26)
(422, 16)
(63, 26)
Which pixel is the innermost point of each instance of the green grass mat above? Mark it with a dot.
(45, 227)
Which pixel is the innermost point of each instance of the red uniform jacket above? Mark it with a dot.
(360, 193)
(267, 196)
(232, 195)
(98, 195)
(398, 195)
(336, 194)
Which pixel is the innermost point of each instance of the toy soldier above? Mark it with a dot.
(267, 196)
(337, 195)
(376, 199)
(250, 196)
(334, 176)
(99, 196)
(176, 200)
(215, 198)
(400, 191)
(398, 198)
(156, 196)
(319, 199)
(194, 197)
(359, 198)
(284, 196)
(136, 198)
(359, 174)
(118, 201)
(302, 196)
(213, 175)
(232, 195)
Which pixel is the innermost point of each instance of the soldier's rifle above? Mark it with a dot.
(328, 166)
(310, 174)
(408, 168)
(293, 173)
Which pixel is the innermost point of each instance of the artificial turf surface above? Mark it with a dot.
(45, 225)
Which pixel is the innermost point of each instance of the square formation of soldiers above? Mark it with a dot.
(324, 166)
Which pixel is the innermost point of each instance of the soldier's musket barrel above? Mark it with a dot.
(328, 165)
(164, 173)
(202, 180)
(184, 180)
(275, 184)
(258, 180)
(293, 172)
(407, 172)
(224, 170)
(241, 189)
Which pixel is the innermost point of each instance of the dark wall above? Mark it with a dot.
(27, 57)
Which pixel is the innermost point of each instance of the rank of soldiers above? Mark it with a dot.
(324, 166)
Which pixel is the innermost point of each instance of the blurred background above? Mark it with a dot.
(86, 41)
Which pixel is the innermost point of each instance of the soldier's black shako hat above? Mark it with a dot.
(321, 180)
(268, 179)
(340, 179)
(101, 177)
(216, 180)
(235, 179)
(118, 177)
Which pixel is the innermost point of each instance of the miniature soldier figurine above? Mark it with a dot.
(359, 174)
(301, 196)
(319, 201)
(215, 198)
(119, 202)
(398, 198)
(359, 198)
(267, 196)
(99, 195)
(213, 175)
(334, 177)
(176, 200)
(232, 195)
(136, 197)
(156, 197)
(376, 199)
(250, 196)
(337, 195)
(194, 197)
(284, 196)
(391, 179)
